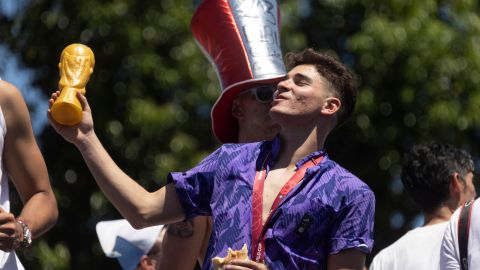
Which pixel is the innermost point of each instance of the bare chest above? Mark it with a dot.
(274, 182)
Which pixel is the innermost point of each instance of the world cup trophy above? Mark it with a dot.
(76, 66)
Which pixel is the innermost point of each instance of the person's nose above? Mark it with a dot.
(282, 86)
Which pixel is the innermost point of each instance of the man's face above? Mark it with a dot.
(303, 92)
(255, 120)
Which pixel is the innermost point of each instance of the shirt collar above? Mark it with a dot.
(311, 156)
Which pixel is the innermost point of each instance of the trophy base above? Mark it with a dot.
(67, 109)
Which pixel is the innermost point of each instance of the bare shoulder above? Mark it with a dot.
(12, 103)
(9, 93)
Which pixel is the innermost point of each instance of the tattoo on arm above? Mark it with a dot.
(183, 229)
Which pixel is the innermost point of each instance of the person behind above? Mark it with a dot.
(134, 249)
(449, 253)
(250, 109)
(439, 178)
(323, 218)
(23, 164)
(241, 113)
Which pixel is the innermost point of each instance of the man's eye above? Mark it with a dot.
(301, 83)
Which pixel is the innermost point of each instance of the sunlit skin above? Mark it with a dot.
(302, 92)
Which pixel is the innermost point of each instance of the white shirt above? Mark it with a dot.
(418, 249)
(450, 256)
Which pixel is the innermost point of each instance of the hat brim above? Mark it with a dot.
(224, 125)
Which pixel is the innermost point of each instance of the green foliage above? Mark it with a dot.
(418, 65)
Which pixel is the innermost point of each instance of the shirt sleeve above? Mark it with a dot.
(449, 252)
(194, 187)
(353, 224)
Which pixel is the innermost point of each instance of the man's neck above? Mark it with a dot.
(441, 214)
(297, 144)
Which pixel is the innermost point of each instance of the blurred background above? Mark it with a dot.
(418, 65)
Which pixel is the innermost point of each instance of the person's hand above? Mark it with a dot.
(77, 133)
(10, 231)
(245, 265)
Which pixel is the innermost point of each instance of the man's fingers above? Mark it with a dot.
(83, 101)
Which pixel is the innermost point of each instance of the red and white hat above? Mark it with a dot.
(242, 40)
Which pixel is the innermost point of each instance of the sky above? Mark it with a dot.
(13, 71)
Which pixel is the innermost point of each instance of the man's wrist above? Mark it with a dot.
(24, 238)
(87, 141)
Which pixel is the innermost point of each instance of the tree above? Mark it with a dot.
(151, 92)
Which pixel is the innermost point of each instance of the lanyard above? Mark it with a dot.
(258, 228)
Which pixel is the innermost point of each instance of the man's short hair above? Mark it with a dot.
(341, 80)
(427, 172)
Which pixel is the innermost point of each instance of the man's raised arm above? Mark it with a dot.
(140, 207)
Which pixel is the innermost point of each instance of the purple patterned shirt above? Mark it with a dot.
(328, 211)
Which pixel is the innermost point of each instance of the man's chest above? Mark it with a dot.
(274, 189)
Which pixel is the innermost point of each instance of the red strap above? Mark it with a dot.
(463, 227)
(258, 228)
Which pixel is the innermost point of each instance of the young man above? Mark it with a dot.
(450, 254)
(250, 109)
(439, 177)
(23, 163)
(322, 218)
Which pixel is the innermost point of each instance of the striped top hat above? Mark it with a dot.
(242, 40)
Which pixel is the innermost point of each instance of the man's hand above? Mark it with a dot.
(245, 265)
(77, 133)
(10, 231)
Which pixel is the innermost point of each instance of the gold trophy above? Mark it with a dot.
(76, 65)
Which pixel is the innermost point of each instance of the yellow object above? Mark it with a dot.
(76, 66)
(242, 254)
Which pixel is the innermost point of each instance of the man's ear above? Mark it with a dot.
(146, 263)
(237, 109)
(456, 183)
(331, 105)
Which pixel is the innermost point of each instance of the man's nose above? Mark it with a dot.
(282, 86)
